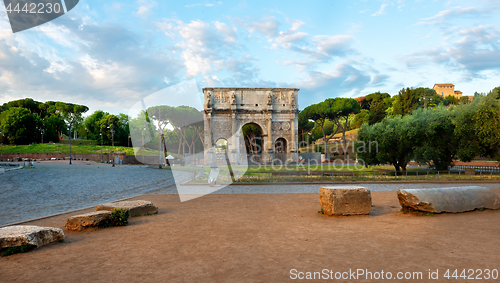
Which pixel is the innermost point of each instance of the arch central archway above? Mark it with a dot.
(253, 142)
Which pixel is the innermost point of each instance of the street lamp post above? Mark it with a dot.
(42, 131)
(112, 142)
(1, 146)
(101, 147)
(69, 135)
(143, 146)
(425, 99)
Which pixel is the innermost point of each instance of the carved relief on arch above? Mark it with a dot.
(221, 129)
(280, 126)
(221, 97)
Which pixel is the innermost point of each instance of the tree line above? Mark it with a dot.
(418, 111)
(169, 129)
(436, 135)
(26, 121)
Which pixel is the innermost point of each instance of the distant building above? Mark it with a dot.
(447, 89)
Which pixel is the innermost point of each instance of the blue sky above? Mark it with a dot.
(110, 54)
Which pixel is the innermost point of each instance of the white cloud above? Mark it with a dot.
(296, 24)
(105, 69)
(334, 45)
(267, 25)
(209, 48)
(470, 51)
(451, 13)
(287, 38)
(228, 32)
(381, 11)
(346, 79)
(206, 5)
(145, 7)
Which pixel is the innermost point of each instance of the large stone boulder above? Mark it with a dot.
(91, 219)
(136, 207)
(345, 200)
(452, 199)
(13, 236)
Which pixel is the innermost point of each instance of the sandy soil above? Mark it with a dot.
(260, 238)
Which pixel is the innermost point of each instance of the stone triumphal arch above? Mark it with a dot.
(273, 110)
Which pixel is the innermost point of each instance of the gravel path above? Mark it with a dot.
(50, 188)
(313, 188)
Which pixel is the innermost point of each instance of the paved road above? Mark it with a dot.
(313, 188)
(50, 188)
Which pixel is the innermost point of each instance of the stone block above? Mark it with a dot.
(136, 207)
(91, 219)
(12, 236)
(345, 200)
(452, 199)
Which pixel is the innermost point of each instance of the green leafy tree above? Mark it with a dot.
(320, 113)
(53, 125)
(181, 119)
(451, 100)
(48, 109)
(342, 108)
(432, 131)
(27, 103)
(304, 125)
(19, 126)
(476, 128)
(92, 124)
(361, 118)
(162, 115)
(468, 143)
(386, 142)
(486, 122)
(143, 130)
(465, 100)
(428, 96)
(405, 102)
(71, 113)
(123, 130)
(107, 124)
(494, 93)
(379, 102)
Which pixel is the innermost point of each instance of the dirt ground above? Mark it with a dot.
(263, 238)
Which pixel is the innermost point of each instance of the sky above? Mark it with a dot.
(110, 54)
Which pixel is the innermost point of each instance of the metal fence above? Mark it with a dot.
(367, 176)
(465, 168)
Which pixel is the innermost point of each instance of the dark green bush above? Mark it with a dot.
(117, 217)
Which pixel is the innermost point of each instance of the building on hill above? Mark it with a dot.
(447, 89)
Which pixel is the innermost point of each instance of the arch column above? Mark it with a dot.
(235, 145)
(209, 152)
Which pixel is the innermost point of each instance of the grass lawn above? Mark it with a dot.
(64, 148)
(350, 135)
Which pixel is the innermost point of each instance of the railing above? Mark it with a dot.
(366, 176)
(464, 168)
